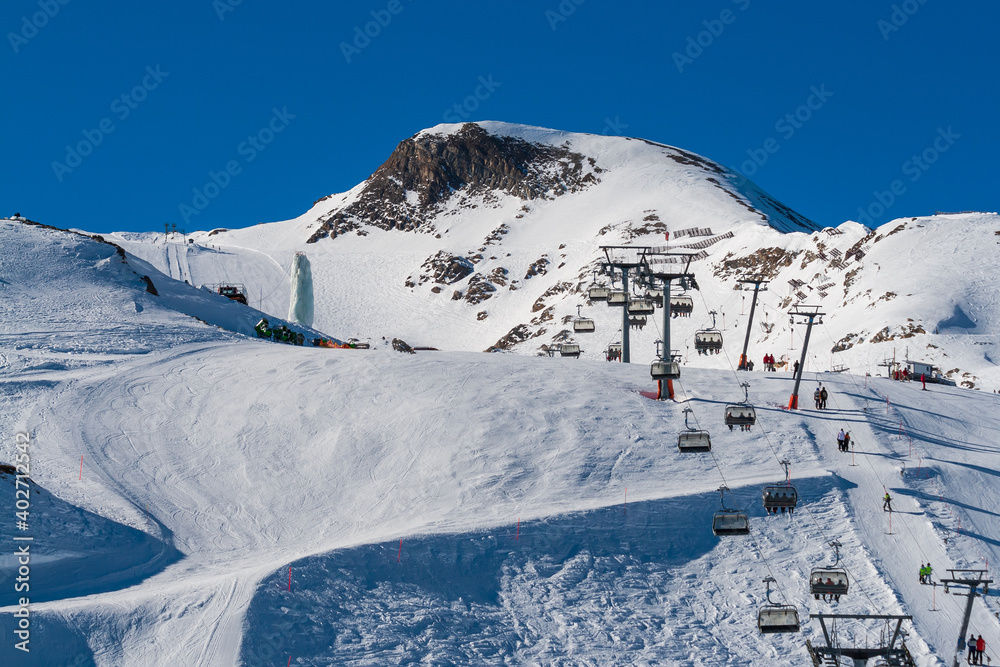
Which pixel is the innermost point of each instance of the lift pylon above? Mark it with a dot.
(759, 284)
(810, 313)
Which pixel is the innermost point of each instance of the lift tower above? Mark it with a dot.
(973, 579)
(759, 284)
(624, 263)
(658, 256)
(810, 313)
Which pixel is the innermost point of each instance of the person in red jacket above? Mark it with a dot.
(980, 647)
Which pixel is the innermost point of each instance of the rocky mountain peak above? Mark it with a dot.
(428, 170)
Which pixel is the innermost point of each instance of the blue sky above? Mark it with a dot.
(840, 110)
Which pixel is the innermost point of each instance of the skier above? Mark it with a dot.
(840, 440)
(980, 648)
(923, 572)
(824, 395)
(923, 382)
(817, 398)
(887, 502)
(795, 368)
(847, 441)
(927, 573)
(971, 658)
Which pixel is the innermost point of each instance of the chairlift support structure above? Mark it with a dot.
(666, 278)
(895, 655)
(759, 285)
(973, 579)
(811, 313)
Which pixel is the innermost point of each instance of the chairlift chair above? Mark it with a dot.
(656, 296)
(774, 617)
(640, 306)
(617, 298)
(569, 350)
(665, 369)
(681, 305)
(598, 293)
(780, 497)
(692, 439)
(614, 352)
(582, 324)
(728, 522)
(637, 321)
(741, 414)
(832, 581)
(708, 341)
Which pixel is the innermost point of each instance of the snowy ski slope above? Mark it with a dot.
(212, 463)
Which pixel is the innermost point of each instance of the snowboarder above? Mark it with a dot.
(887, 502)
(847, 441)
(795, 368)
(840, 440)
(824, 395)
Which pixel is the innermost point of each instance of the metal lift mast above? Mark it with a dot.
(973, 579)
(609, 266)
(667, 278)
(759, 283)
(802, 311)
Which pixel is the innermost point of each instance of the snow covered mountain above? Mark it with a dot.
(486, 235)
(201, 497)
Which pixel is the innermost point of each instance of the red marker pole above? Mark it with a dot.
(289, 578)
(81, 466)
(399, 556)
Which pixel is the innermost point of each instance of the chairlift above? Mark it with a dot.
(692, 439)
(681, 305)
(614, 352)
(741, 414)
(829, 581)
(780, 497)
(774, 617)
(708, 341)
(727, 522)
(640, 306)
(665, 369)
(637, 321)
(617, 298)
(569, 350)
(655, 294)
(582, 324)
